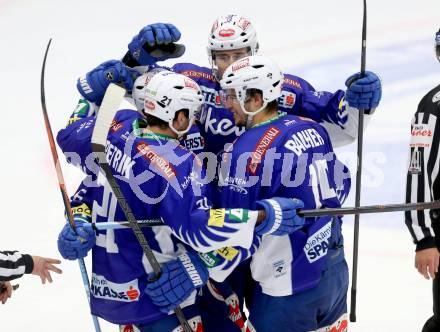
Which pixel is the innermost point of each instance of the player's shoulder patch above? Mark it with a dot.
(292, 82)
(194, 72)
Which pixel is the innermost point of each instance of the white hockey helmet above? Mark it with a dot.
(253, 72)
(232, 32)
(162, 93)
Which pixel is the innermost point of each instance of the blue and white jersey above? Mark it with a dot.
(298, 97)
(161, 180)
(288, 156)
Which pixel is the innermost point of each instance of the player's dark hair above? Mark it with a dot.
(156, 122)
(271, 106)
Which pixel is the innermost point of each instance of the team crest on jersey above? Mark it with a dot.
(104, 289)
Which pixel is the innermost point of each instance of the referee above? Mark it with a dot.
(14, 264)
(423, 185)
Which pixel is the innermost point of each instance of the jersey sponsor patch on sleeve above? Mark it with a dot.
(82, 209)
(216, 217)
(227, 253)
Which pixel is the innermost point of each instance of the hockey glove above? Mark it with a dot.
(363, 93)
(156, 42)
(281, 216)
(93, 85)
(178, 281)
(73, 245)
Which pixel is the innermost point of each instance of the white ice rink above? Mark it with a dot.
(317, 40)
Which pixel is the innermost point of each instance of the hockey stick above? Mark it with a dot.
(358, 176)
(66, 201)
(304, 213)
(110, 105)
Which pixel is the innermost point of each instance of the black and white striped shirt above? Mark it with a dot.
(13, 265)
(423, 182)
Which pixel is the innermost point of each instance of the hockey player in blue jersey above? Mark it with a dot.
(160, 179)
(302, 277)
(230, 38)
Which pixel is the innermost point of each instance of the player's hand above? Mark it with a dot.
(427, 261)
(73, 245)
(281, 216)
(177, 282)
(43, 266)
(93, 85)
(156, 42)
(7, 291)
(363, 93)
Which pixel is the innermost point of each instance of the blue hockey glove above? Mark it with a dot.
(156, 42)
(363, 93)
(93, 85)
(73, 245)
(178, 280)
(281, 216)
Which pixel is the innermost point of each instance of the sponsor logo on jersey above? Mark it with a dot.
(292, 82)
(421, 135)
(224, 127)
(191, 270)
(119, 161)
(198, 74)
(104, 289)
(193, 178)
(226, 32)
(115, 126)
(209, 259)
(216, 217)
(149, 154)
(303, 140)
(415, 164)
(236, 184)
(227, 253)
(261, 148)
(279, 268)
(287, 99)
(422, 130)
(211, 97)
(82, 209)
(194, 142)
(240, 64)
(317, 244)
